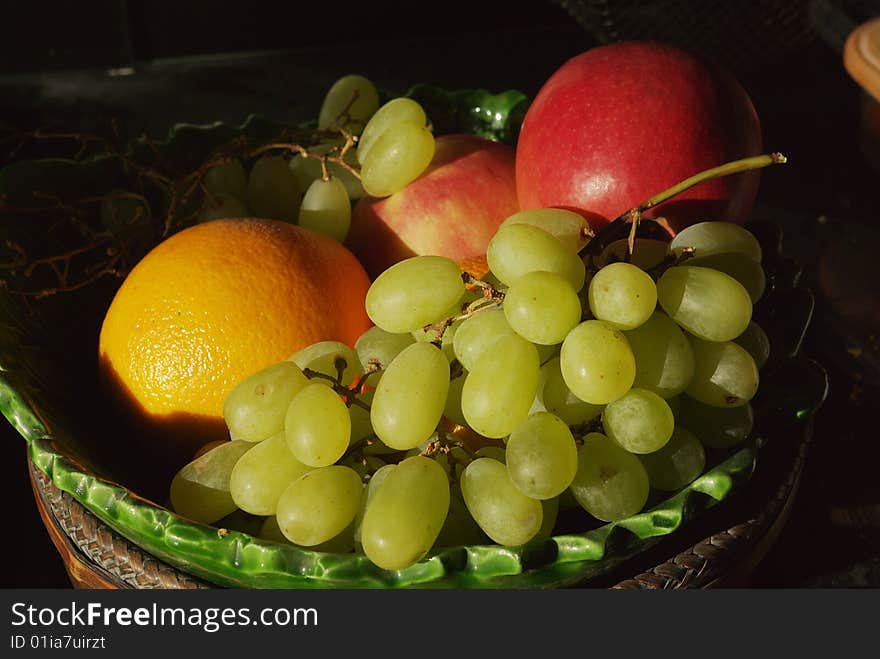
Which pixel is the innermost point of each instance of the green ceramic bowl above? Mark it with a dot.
(48, 390)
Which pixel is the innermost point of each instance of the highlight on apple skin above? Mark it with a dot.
(620, 123)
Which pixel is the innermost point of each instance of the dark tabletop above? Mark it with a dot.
(273, 60)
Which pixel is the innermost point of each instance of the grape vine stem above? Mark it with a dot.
(617, 227)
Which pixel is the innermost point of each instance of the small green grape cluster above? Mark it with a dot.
(587, 382)
(318, 185)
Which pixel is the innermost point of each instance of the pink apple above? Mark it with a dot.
(620, 123)
(453, 209)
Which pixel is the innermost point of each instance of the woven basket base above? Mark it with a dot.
(94, 555)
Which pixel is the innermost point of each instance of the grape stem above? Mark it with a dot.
(617, 227)
(348, 394)
(95, 258)
(357, 447)
(335, 156)
(492, 298)
(671, 260)
(359, 385)
(444, 445)
(733, 167)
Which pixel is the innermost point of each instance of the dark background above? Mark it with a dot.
(205, 61)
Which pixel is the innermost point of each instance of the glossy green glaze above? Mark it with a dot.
(47, 349)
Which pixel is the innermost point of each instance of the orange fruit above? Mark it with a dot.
(209, 306)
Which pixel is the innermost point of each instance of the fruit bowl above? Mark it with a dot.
(48, 392)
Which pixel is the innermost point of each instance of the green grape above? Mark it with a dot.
(339, 544)
(262, 474)
(542, 307)
(537, 405)
(478, 333)
(200, 490)
(441, 458)
(568, 502)
(376, 447)
(454, 461)
(708, 238)
(725, 375)
(556, 398)
(271, 531)
(319, 505)
(373, 463)
(677, 464)
(622, 295)
(349, 104)
(549, 513)
(459, 529)
(399, 156)
(393, 112)
(717, 427)
(747, 272)
(452, 407)
(326, 209)
(504, 513)
(495, 452)
(222, 206)
(647, 253)
(242, 522)
(493, 281)
(414, 292)
(378, 477)
(307, 169)
(674, 405)
(707, 303)
(255, 408)
(361, 425)
(377, 345)
(516, 249)
(128, 216)
(548, 352)
(326, 357)
(597, 363)
(611, 484)
(405, 515)
(664, 358)
(317, 426)
(228, 178)
(541, 456)
(569, 228)
(639, 421)
(584, 293)
(409, 400)
(755, 341)
(355, 464)
(499, 390)
(272, 190)
(371, 488)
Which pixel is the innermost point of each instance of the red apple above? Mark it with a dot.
(453, 209)
(620, 123)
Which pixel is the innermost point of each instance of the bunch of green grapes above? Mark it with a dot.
(473, 408)
(361, 148)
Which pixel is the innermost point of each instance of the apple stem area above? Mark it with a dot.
(617, 228)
